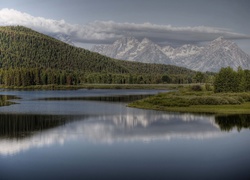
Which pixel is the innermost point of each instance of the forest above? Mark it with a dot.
(31, 58)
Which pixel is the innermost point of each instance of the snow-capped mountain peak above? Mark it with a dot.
(146, 41)
(221, 38)
(129, 48)
(183, 51)
(210, 57)
(219, 53)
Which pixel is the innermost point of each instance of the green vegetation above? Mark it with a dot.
(30, 58)
(194, 100)
(228, 95)
(228, 80)
(97, 86)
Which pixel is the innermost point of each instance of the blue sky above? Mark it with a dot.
(163, 21)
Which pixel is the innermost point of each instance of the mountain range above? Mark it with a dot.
(209, 57)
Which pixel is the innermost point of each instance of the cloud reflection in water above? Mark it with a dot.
(111, 129)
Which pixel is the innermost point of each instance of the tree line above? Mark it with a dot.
(41, 76)
(228, 80)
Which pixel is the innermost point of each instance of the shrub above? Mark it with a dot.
(208, 87)
(208, 100)
(196, 88)
(232, 100)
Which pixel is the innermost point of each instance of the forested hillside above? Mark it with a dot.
(31, 58)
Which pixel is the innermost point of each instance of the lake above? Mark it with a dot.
(91, 134)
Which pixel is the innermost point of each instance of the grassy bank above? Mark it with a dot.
(187, 100)
(96, 86)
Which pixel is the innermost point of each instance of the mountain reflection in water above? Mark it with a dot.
(22, 132)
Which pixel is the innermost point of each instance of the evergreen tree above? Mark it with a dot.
(226, 80)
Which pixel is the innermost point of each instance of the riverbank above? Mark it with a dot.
(188, 101)
(98, 86)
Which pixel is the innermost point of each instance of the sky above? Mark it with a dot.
(166, 22)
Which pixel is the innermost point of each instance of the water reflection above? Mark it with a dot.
(146, 128)
(4, 100)
(228, 123)
(117, 98)
(20, 132)
(23, 132)
(19, 125)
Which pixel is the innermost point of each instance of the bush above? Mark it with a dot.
(196, 88)
(208, 100)
(208, 87)
(232, 100)
(245, 96)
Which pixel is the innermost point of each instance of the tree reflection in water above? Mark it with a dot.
(228, 123)
(118, 98)
(4, 100)
(19, 125)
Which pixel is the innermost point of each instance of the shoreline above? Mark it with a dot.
(200, 109)
(96, 86)
(187, 101)
(237, 104)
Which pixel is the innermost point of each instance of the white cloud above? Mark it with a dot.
(13, 17)
(108, 31)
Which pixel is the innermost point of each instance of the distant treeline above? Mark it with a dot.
(37, 76)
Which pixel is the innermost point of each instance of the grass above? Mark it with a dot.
(96, 86)
(187, 100)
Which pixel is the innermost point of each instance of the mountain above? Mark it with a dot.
(28, 57)
(181, 52)
(120, 49)
(218, 53)
(62, 37)
(129, 48)
(147, 52)
(211, 57)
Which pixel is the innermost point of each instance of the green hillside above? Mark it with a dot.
(31, 58)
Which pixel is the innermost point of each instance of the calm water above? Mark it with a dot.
(91, 134)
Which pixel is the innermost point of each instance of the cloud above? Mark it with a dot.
(13, 17)
(103, 32)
